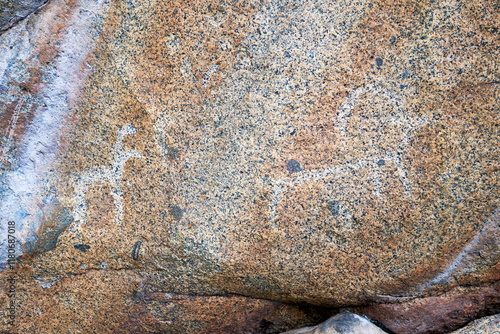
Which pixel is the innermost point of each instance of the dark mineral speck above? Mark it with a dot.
(381, 162)
(293, 166)
(334, 207)
(176, 211)
(136, 250)
(379, 61)
(173, 153)
(82, 247)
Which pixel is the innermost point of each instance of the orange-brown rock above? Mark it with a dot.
(108, 301)
(332, 153)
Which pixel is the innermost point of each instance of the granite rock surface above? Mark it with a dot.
(487, 325)
(251, 155)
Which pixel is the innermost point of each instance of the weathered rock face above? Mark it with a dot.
(336, 153)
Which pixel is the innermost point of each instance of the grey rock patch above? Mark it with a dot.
(54, 220)
(486, 325)
(12, 12)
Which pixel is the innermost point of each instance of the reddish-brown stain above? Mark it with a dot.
(440, 314)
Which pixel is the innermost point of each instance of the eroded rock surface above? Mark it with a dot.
(335, 153)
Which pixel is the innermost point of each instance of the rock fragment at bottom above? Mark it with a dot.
(342, 323)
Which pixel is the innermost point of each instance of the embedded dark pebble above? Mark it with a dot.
(136, 250)
(293, 166)
(176, 211)
(82, 247)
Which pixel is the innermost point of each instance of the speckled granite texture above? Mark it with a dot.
(487, 325)
(327, 153)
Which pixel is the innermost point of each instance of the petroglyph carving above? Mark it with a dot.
(112, 175)
(407, 126)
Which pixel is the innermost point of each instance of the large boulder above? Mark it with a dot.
(330, 153)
